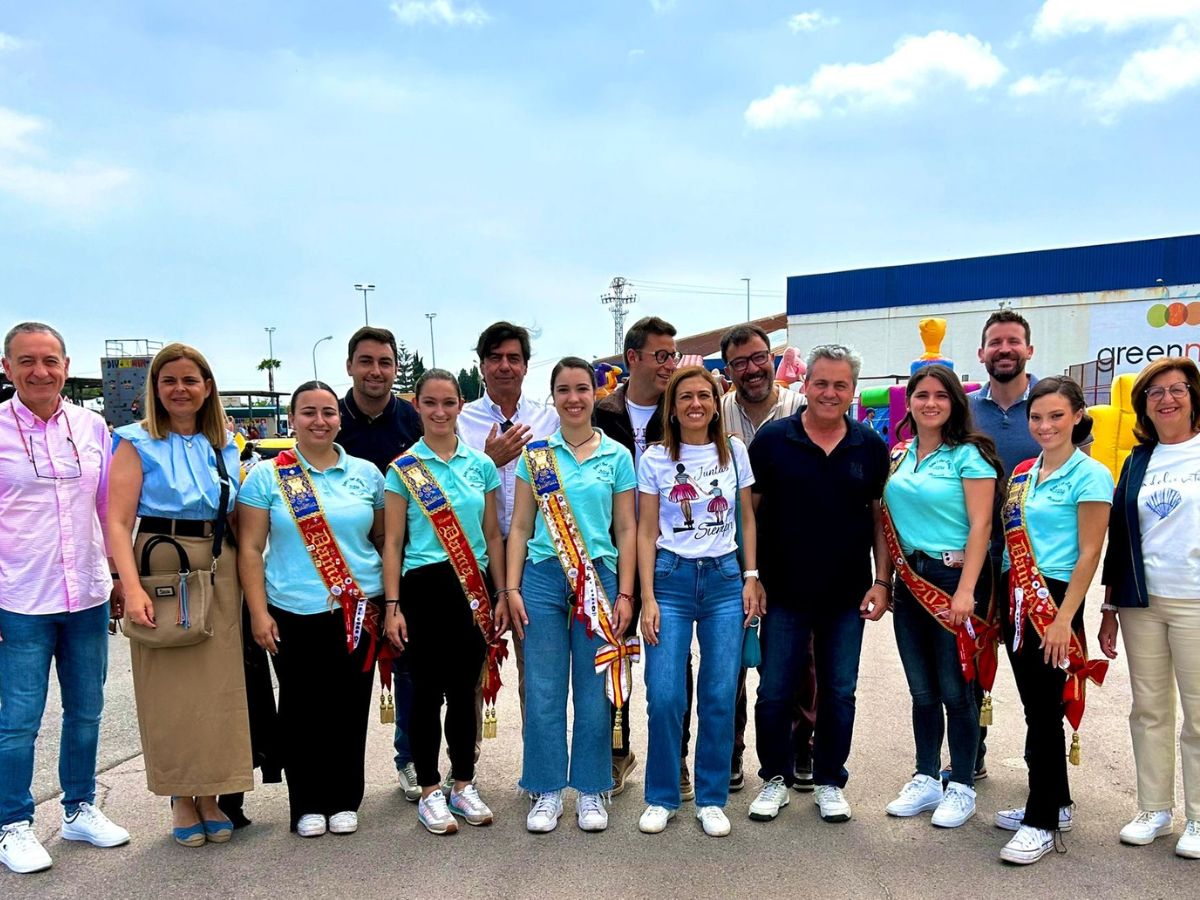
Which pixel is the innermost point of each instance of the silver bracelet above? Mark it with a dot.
(1108, 607)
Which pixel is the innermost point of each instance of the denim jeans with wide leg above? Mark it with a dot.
(930, 656)
(559, 652)
(706, 593)
(78, 644)
(836, 639)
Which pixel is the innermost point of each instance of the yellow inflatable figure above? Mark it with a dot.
(933, 332)
(1112, 426)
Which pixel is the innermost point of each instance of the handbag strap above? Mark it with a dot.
(222, 510)
(148, 548)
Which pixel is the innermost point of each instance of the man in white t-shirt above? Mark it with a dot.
(501, 423)
(632, 415)
(755, 401)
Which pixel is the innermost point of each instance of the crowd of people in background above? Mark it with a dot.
(426, 542)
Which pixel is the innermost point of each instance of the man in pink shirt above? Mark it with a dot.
(54, 592)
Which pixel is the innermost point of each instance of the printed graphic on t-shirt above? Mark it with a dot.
(1165, 498)
(690, 492)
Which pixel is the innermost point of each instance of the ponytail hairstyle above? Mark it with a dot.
(1064, 387)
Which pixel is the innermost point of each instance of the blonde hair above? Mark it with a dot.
(210, 418)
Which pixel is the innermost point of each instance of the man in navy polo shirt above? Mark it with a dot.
(818, 481)
(378, 426)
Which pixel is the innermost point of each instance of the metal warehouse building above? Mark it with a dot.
(1094, 311)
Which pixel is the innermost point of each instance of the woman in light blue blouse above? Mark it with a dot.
(598, 481)
(324, 671)
(941, 497)
(171, 471)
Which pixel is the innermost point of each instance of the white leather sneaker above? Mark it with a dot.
(343, 822)
(920, 795)
(87, 823)
(832, 803)
(655, 819)
(21, 850)
(311, 825)
(713, 820)
(1146, 826)
(770, 800)
(1188, 845)
(958, 805)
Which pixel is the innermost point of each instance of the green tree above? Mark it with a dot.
(270, 365)
(405, 381)
(470, 383)
(418, 368)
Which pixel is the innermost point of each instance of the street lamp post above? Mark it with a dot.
(747, 280)
(365, 288)
(432, 346)
(328, 337)
(270, 330)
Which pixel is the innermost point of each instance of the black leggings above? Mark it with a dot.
(1041, 689)
(445, 658)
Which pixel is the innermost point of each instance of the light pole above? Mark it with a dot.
(365, 288)
(432, 346)
(270, 330)
(328, 337)
(747, 280)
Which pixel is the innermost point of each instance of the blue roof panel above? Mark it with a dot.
(1103, 267)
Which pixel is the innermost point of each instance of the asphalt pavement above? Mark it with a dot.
(797, 855)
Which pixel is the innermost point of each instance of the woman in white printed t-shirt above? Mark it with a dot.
(687, 537)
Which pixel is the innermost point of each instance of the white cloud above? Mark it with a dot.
(916, 63)
(1061, 17)
(810, 21)
(1031, 85)
(663, 6)
(8, 42)
(1155, 75)
(79, 187)
(439, 12)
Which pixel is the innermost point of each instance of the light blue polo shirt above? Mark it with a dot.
(590, 487)
(1051, 517)
(927, 503)
(350, 491)
(465, 480)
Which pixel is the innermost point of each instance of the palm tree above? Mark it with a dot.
(270, 365)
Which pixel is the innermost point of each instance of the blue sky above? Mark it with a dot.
(199, 171)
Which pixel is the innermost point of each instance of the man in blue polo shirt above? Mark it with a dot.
(378, 426)
(819, 477)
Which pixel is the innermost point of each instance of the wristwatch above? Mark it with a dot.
(750, 573)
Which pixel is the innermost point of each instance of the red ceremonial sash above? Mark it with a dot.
(1029, 598)
(433, 502)
(976, 638)
(361, 617)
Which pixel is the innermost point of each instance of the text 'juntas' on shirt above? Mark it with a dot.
(697, 496)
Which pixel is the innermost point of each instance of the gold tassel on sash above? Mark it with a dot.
(985, 711)
(489, 722)
(617, 742)
(1075, 754)
(387, 708)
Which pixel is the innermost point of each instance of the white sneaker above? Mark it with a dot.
(408, 782)
(20, 849)
(919, 795)
(468, 804)
(87, 823)
(544, 811)
(958, 805)
(655, 819)
(433, 814)
(832, 803)
(770, 800)
(1146, 826)
(1011, 819)
(311, 825)
(1028, 845)
(714, 821)
(590, 812)
(343, 822)
(1188, 845)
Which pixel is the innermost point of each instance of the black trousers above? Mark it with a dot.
(1041, 688)
(324, 699)
(445, 652)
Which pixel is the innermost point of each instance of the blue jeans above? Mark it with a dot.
(708, 593)
(78, 643)
(558, 651)
(930, 657)
(402, 695)
(836, 641)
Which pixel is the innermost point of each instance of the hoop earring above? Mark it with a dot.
(673, 419)
(716, 415)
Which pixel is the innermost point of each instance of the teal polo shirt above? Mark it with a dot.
(466, 479)
(1051, 514)
(590, 487)
(350, 491)
(927, 502)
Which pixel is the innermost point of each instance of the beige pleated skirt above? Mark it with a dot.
(191, 701)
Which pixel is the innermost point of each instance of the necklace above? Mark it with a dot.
(587, 439)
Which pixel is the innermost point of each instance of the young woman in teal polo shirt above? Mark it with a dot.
(940, 497)
(1065, 506)
(598, 481)
(324, 690)
(428, 616)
